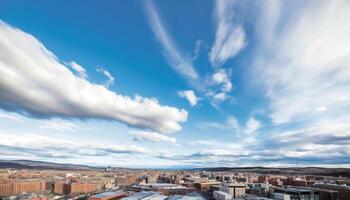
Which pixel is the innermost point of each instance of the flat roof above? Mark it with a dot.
(139, 195)
(185, 197)
(107, 194)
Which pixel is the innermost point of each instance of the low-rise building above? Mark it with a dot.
(14, 188)
(298, 193)
(236, 190)
(344, 191)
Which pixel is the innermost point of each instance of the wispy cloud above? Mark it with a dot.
(222, 78)
(37, 146)
(230, 37)
(146, 136)
(314, 57)
(197, 49)
(252, 125)
(231, 124)
(227, 44)
(110, 78)
(11, 117)
(180, 63)
(60, 126)
(79, 69)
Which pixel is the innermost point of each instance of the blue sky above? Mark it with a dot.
(175, 83)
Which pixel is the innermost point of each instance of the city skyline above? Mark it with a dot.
(157, 84)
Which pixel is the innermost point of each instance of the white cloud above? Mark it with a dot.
(177, 60)
(11, 117)
(219, 97)
(233, 123)
(309, 69)
(33, 80)
(230, 38)
(321, 109)
(226, 46)
(222, 77)
(61, 126)
(252, 125)
(79, 69)
(110, 78)
(190, 96)
(151, 137)
(198, 46)
(230, 125)
(47, 147)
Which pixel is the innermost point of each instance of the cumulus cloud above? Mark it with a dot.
(190, 96)
(151, 137)
(230, 37)
(179, 62)
(79, 69)
(34, 82)
(110, 78)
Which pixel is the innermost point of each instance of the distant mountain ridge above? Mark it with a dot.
(283, 170)
(29, 164)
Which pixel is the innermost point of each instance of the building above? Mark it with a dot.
(344, 191)
(58, 188)
(146, 196)
(205, 185)
(328, 194)
(294, 182)
(79, 188)
(236, 190)
(253, 197)
(108, 196)
(185, 197)
(298, 193)
(164, 188)
(281, 196)
(15, 188)
(6, 189)
(263, 179)
(220, 195)
(67, 188)
(124, 180)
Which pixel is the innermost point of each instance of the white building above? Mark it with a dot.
(230, 191)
